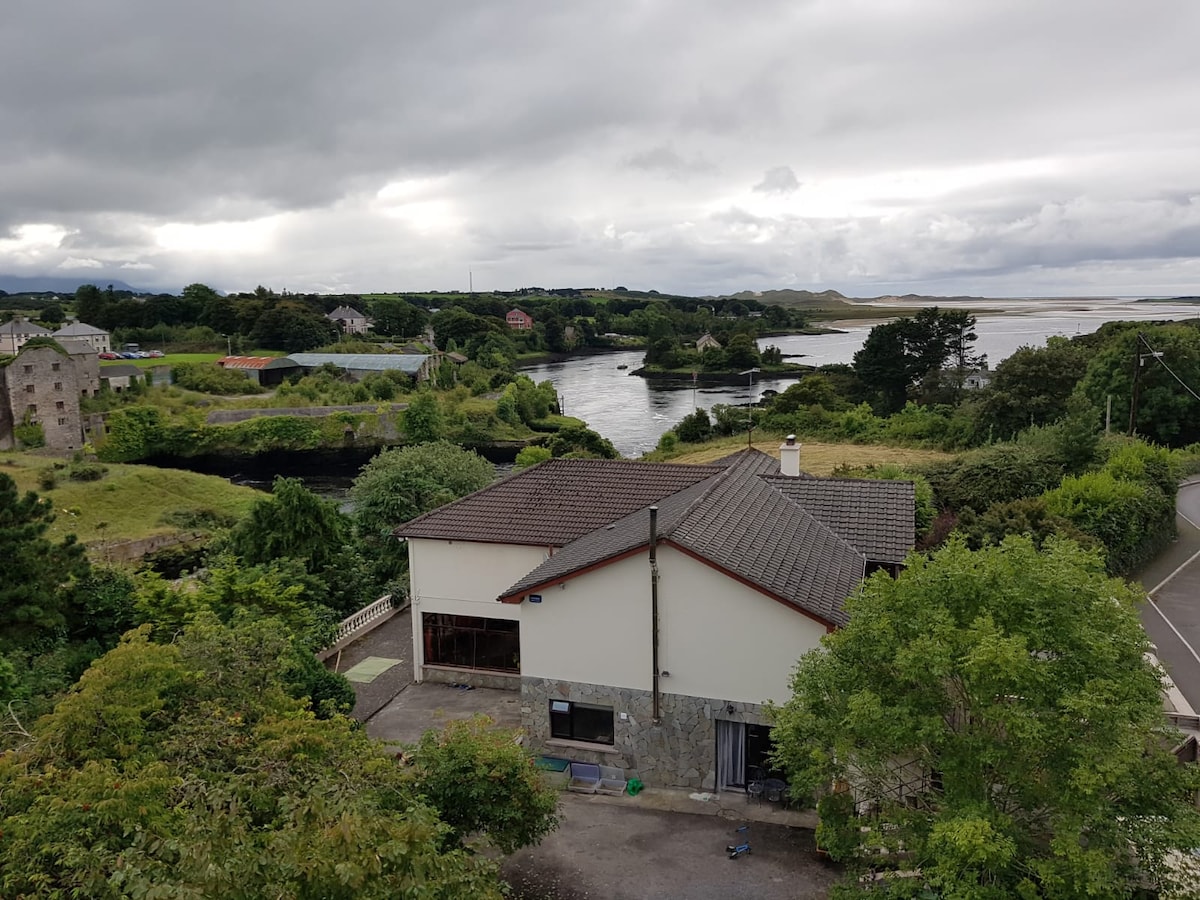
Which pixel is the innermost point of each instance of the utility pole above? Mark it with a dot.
(1139, 360)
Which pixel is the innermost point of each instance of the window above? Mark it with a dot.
(62, 421)
(28, 370)
(581, 722)
(29, 388)
(31, 409)
(56, 366)
(58, 385)
(472, 642)
(58, 404)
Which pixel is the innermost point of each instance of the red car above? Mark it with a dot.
(109, 356)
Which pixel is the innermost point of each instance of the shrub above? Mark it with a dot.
(996, 474)
(85, 471)
(695, 427)
(209, 378)
(47, 478)
(531, 456)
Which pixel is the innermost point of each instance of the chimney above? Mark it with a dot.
(789, 457)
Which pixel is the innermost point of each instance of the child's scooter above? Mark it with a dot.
(742, 845)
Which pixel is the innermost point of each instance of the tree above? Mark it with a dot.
(187, 770)
(423, 420)
(292, 522)
(1031, 387)
(509, 803)
(397, 317)
(398, 485)
(898, 355)
(1166, 412)
(995, 718)
(52, 315)
(89, 304)
(34, 590)
(695, 427)
(293, 327)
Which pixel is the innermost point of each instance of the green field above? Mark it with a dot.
(130, 501)
(816, 458)
(171, 359)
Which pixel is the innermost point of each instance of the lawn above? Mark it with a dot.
(171, 359)
(129, 502)
(817, 458)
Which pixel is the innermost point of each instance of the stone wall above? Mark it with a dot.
(681, 751)
(41, 386)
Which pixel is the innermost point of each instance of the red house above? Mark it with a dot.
(519, 320)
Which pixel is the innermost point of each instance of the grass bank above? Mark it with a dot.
(816, 458)
(129, 502)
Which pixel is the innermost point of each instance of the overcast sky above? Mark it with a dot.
(991, 147)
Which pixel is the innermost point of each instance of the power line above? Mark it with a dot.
(1159, 358)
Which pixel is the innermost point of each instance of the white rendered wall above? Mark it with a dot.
(721, 638)
(464, 578)
(594, 629)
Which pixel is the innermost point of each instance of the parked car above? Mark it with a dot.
(157, 354)
(129, 356)
(110, 356)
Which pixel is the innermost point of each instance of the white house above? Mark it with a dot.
(15, 334)
(646, 612)
(100, 339)
(350, 320)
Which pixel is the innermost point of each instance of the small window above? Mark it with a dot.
(581, 722)
(62, 421)
(28, 370)
(29, 388)
(56, 366)
(58, 385)
(58, 404)
(31, 409)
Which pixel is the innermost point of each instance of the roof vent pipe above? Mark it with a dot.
(789, 457)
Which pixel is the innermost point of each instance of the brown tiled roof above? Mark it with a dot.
(556, 502)
(759, 526)
(875, 516)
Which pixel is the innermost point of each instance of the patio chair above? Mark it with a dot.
(754, 784)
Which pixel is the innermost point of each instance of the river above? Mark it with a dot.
(633, 412)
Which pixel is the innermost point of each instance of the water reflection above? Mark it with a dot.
(633, 412)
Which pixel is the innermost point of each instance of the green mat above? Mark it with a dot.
(370, 669)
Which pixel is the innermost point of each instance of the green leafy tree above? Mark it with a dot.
(1166, 412)
(38, 571)
(292, 522)
(52, 315)
(397, 317)
(187, 770)
(293, 327)
(89, 304)
(423, 420)
(398, 485)
(695, 428)
(509, 803)
(995, 718)
(1031, 387)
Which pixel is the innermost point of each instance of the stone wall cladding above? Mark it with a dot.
(681, 751)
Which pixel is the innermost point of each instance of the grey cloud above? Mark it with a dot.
(147, 113)
(779, 180)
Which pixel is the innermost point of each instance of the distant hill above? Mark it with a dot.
(833, 299)
(57, 284)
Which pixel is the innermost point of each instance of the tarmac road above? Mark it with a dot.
(1172, 617)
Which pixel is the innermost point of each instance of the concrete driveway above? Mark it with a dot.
(420, 707)
(606, 851)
